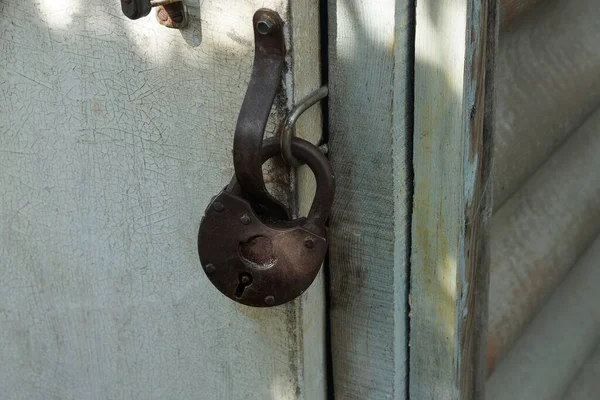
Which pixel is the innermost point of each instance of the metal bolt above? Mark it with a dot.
(245, 219)
(265, 25)
(309, 243)
(218, 207)
(269, 300)
(210, 269)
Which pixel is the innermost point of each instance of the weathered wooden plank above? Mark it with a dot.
(511, 10)
(455, 52)
(304, 77)
(548, 84)
(370, 71)
(115, 134)
(552, 349)
(539, 233)
(586, 385)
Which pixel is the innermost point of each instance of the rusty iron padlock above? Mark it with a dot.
(249, 246)
(266, 263)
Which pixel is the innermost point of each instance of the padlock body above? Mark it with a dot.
(254, 263)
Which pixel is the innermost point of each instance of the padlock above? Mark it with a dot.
(260, 262)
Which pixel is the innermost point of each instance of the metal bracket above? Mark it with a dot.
(269, 58)
(172, 15)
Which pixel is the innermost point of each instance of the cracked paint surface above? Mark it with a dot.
(114, 135)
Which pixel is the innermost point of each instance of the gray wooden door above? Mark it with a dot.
(114, 135)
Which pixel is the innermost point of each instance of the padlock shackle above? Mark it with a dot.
(309, 154)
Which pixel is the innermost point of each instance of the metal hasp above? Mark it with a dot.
(169, 13)
(269, 59)
(249, 247)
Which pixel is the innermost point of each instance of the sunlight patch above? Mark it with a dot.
(59, 13)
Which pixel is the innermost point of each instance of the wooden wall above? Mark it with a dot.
(544, 323)
(452, 145)
(370, 82)
(411, 120)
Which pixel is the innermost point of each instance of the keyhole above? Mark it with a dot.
(245, 280)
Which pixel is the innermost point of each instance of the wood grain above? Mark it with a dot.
(114, 136)
(548, 84)
(539, 233)
(455, 52)
(586, 384)
(556, 344)
(369, 75)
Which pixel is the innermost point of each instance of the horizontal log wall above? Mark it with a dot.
(547, 85)
(558, 341)
(538, 234)
(546, 200)
(586, 385)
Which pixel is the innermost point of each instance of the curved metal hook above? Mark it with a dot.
(269, 58)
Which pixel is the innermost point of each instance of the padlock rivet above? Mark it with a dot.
(309, 243)
(218, 206)
(269, 300)
(210, 269)
(245, 219)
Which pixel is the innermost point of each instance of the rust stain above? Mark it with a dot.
(540, 272)
(390, 45)
(492, 354)
(520, 292)
(509, 12)
(96, 109)
(477, 111)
